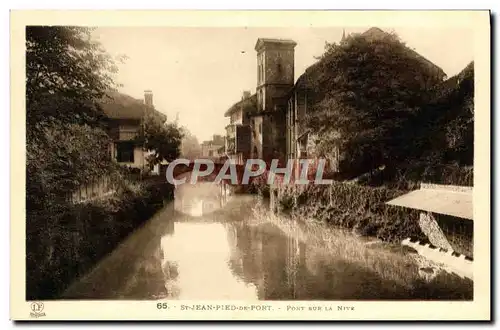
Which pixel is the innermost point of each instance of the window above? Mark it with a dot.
(280, 65)
(260, 69)
(260, 128)
(210, 153)
(125, 152)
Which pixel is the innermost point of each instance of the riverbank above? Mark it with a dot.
(360, 208)
(67, 242)
(392, 271)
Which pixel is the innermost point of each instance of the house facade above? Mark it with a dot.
(258, 121)
(238, 144)
(125, 119)
(213, 148)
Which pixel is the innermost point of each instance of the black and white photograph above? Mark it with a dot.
(227, 168)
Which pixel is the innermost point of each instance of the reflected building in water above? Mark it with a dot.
(207, 249)
(260, 255)
(264, 255)
(222, 252)
(201, 198)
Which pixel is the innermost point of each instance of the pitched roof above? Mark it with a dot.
(249, 104)
(311, 73)
(304, 81)
(448, 200)
(275, 42)
(122, 106)
(377, 33)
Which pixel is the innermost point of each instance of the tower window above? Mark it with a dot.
(280, 66)
(260, 69)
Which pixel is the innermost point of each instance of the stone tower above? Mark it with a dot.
(148, 98)
(275, 79)
(148, 102)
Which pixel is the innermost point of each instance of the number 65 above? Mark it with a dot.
(162, 306)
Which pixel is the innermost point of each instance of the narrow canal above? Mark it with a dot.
(207, 246)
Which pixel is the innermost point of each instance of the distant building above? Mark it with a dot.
(213, 148)
(126, 116)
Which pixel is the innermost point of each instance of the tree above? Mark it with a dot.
(162, 138)
(190, 147)
(365, 90)
(67, 74)
(445, 126)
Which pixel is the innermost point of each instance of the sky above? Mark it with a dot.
(198, 73)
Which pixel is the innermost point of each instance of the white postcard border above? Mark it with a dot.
(479, 309)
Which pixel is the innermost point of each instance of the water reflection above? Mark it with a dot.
(205, 246)
(223, 254)
(200, 199)
(202, 270)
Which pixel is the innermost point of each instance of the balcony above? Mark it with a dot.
(231, 130)
(230, 146)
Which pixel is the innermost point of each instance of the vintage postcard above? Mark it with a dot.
(250, 165)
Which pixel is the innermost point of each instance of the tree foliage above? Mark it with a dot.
(67, 73)
(444, 128)
(163, 139)
(71, 155)
(190, 147)
(365, 91)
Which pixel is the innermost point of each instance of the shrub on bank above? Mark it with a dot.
(65, 243)
(409, 176)
(360, 208)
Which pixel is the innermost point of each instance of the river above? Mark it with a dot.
(207, 246)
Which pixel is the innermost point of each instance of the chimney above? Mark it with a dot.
(246, 95)
(148, 98)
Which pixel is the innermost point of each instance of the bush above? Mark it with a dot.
(409, 176)
(360, 208)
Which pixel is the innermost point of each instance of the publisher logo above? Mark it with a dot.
(37, 309)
